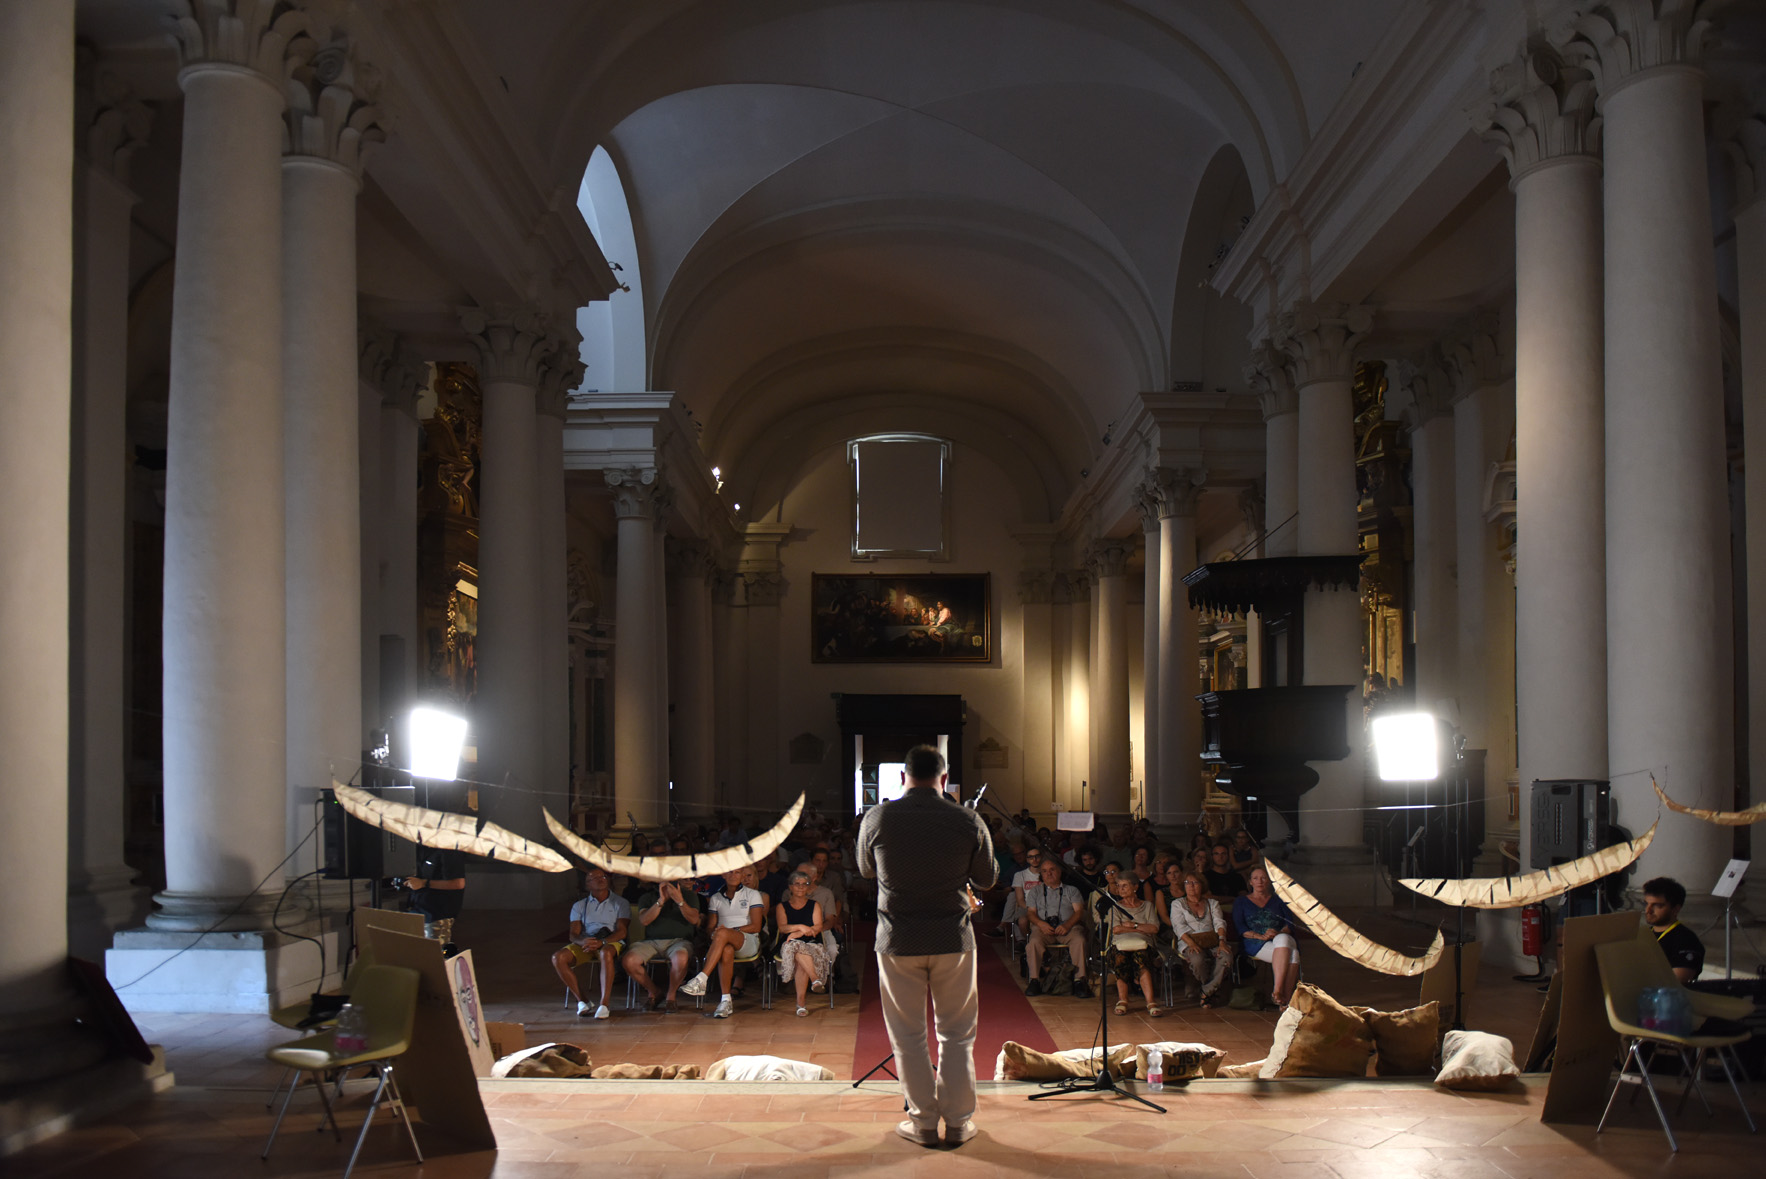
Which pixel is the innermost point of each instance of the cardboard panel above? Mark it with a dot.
(410, 924)
(437, 1074)
(1437, 980)
(1587, 1045)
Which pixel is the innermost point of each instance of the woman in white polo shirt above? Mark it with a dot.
(738, 912)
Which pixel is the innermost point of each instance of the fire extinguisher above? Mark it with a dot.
(1533, 930)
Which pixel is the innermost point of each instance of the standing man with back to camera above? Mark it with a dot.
(924, 852)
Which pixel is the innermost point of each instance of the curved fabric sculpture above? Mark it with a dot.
(1722, 818)
(448, 831)
(1344, 938)
(1511, 892)
(688, 867)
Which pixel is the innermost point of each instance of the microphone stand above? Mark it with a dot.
(1104, 1081)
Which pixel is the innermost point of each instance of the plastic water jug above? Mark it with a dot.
(351, 1036)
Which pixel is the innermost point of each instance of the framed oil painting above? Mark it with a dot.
(901, 618)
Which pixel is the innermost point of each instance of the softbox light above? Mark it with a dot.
(437, 739)
(1406, 747)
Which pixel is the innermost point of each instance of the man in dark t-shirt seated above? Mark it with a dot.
(1662, 899)
(670, 915)
(1224, 882)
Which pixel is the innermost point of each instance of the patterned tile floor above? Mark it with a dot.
(213, 1123)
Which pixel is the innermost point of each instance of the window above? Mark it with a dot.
(900, 496)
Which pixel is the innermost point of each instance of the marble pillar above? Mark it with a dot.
(326, 124)
(763, 590)
(225, 656)
(401, 440)
(730, 627)
(371, 363)
(1147, 503)
(36, 309)
(1540, 121)
(1669, 688)
(1320, 340)
(1110, 744)
(1034, 603)
(1436, 597)
(1749, 146)
(551, 601)
(1180, 716)
(693, 731)
(513, 347)
(1270, 376)
(638, 787)
(662, 643)
(111, 124)
(1073, 592)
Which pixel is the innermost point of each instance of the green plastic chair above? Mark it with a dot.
(388, 997)
(1626, 969)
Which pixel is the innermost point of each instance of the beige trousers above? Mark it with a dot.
(905, 981)
(1040, 943)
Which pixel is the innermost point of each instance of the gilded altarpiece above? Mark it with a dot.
(447, 537)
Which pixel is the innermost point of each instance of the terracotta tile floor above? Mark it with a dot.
(213, 1123)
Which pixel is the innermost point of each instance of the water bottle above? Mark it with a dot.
(1648, 1013)
(1155, 1069)
(1674, 1013)
(351, 1036)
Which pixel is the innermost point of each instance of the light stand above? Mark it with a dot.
(1103, 1082)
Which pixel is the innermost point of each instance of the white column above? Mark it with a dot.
(1148, 505)
(730, 624)
(1750, 257)
(1321, 341)
(551, 608)
(370, 520)
(225, 679)
(396, 608)
(512, 347)
(1539, 121)
(1180, 716)
(1074, 589)
(36, 302)
(101, 898)
(693, 732)
(662, 640)
(1669, 688)
(637, 781)
(1110, 752)
(763, 590)
(322, 453)
(1270, 375)
(1432, 449)
(1034, 596)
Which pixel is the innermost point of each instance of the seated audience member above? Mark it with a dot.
(732, 833)
(1662, 899)
(598, 925)
(774, 880)
(1223, 881)
(670, 915)
(835, 882)
(1055, 919)
(1119, 851)
(1170, 888)
(1030, 873)
(1088, 871)
(737, 913)
(802, 957)
(1245, 855)
(1198, 862)
(1142, 871)
(1267, 927)
(1131, 944)
(1200, 928)
(633, 888)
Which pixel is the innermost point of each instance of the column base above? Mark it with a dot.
(239, 973)
(33, 1112)
(202, 912)
(1338, 876)
(100, 905)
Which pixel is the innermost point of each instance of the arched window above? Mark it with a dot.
(900, 496)
(614, 348)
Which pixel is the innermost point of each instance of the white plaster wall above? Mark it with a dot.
(982, 515)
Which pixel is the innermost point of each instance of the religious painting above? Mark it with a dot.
(901, 618)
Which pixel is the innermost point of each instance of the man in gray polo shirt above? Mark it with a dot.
(924, 852)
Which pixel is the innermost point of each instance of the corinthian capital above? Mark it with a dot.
(1109, 556)
(1270, 375)
(511, 343)
(1541, 108)
(1471, 355)
(384, 365)
(1430, 385)
(1739, 128)
(1619, 39)
(329, 115)
(636, 491)
(256, 35)
(1177, 489)
(761, 588)
(1035, 586)
(1321, 339)
(562, 371)
(114, 123)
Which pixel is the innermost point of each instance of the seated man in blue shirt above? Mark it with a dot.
(598, 925)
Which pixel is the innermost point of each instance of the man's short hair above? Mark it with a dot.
(924, 763)
(1668, 888)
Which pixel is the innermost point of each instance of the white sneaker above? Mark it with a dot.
(957, 1135)
(725, 1008)
(695, 986)
(582, 1008)
(803, 1011)
(601, 1012)
(913, 1133)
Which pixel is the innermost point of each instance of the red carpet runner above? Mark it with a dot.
(1005, 1014)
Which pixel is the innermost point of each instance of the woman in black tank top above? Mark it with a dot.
(802, 957)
